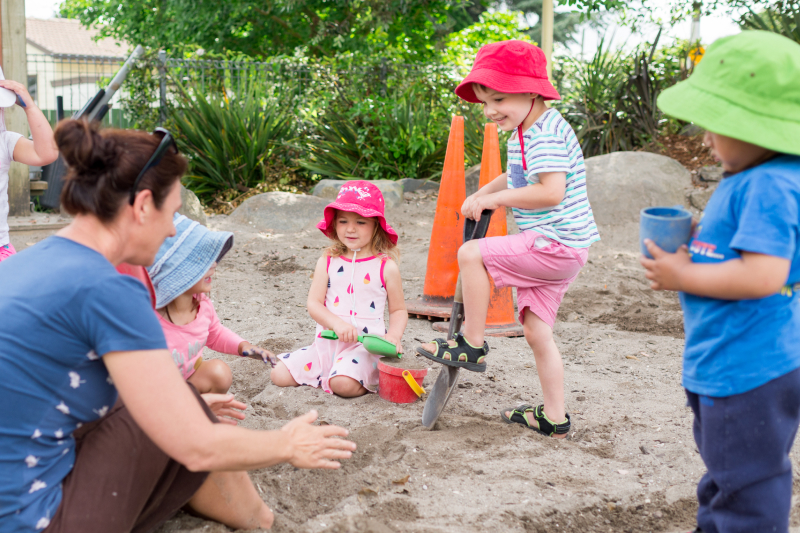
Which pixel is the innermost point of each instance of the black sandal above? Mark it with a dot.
(546, 426)
(462, 355)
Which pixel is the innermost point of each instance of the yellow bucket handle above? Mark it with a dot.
(413, 383)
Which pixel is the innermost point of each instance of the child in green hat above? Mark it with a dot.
(739, 280)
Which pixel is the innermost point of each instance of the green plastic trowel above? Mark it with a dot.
(373, 343)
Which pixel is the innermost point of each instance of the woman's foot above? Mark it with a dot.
(534, 418)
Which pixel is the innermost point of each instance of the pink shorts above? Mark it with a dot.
(540, 274)
(7, 251)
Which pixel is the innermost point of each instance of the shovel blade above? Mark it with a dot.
(440, 393)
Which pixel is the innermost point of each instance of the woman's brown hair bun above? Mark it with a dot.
(103, 165)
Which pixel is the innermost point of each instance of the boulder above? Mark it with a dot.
(699, 197)
(392, 190)
(279, 212)
(413, 185)
(620, 184)
(472, 177)
(191, 207)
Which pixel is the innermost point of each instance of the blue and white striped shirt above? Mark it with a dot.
(551, 146)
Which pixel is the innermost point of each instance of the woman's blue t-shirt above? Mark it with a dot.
(63, 307)
(733, 346)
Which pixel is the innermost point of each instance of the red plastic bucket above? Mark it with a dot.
(392, 385)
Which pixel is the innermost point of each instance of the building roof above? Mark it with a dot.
(60, 37)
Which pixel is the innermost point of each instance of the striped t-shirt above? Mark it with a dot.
(551, 146)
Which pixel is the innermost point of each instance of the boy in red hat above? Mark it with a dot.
(546, 186)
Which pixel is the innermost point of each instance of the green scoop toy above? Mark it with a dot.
(373, 343)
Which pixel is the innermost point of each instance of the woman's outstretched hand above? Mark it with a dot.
(254, 352)
(315, 446)
(225, 407)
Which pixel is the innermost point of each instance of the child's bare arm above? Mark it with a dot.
(316, 305)
(42, 150)
(398, 315)
(547, 193)
(749, 277)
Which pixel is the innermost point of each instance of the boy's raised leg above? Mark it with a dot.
(476, 290)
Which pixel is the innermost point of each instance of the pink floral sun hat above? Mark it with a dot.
(360, 197)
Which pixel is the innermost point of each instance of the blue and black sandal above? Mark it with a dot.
(546, 426)
(463, 354)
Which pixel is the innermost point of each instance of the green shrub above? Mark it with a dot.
(229, 138)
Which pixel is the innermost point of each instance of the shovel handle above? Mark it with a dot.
(413, 383)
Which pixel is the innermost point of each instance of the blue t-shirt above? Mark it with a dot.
(62, 307)
(733, 346)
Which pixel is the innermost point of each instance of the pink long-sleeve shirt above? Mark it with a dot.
(186, 342)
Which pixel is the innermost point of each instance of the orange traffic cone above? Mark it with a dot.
(501, 318)
(447, 233)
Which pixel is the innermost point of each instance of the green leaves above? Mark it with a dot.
(228, 137)
(783, 19)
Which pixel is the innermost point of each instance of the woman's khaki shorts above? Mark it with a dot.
(121, 480)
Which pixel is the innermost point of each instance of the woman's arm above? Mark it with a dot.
(42, 150)
(749, 277)
(549, 192)
(165, 408)
(398, 316)
(316, 305)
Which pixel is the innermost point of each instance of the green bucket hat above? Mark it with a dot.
(746, 87)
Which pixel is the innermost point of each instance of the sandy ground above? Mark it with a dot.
(629, 465)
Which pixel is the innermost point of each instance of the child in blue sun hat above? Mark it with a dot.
(739, 278)
(182, 275)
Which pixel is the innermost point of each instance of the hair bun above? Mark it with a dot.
(83, 148)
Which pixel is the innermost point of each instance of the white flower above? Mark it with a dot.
(43, 523)
(109, 380)
(59, 433)
(78, 425)
(65, 452)
(75, 380)
(63, 408)
(92, 355)
(36, 434)
(102, 411)
(37, 485)
(31, 461)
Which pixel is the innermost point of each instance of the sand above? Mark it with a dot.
(629, 465)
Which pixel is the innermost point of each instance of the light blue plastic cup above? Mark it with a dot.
(668, 227)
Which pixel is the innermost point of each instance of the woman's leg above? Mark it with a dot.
(212, 376)
(281, 377)
(231, 498)
(346, 387)
(549, 367)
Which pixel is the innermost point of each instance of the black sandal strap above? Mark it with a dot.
(547, 426)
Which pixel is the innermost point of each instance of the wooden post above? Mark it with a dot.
(547, 35)
(15, 67)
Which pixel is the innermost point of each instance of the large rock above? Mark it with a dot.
(472, 177)
(392, 190)
(279, 212)
(620, 184)
(699, 197)
(414, 185)
(191, 207)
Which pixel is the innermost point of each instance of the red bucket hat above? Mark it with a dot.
(360, 197)
(509, 67)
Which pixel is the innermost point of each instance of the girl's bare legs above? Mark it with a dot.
(549, 367)
(231, 498)
(212, 376)
(477, 291)
(281, 377)
(346, 387)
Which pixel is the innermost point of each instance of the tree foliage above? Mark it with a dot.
(410, 28)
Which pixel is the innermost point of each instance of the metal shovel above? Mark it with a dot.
(448, 375)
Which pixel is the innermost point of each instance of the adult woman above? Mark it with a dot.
(71, 339)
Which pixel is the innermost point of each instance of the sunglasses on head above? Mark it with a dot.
(166, 143)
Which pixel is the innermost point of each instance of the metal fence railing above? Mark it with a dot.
(76, 79)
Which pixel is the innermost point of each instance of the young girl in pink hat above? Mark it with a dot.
(353, 280)
(545, 184)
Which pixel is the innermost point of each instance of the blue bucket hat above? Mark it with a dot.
(184, 259)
